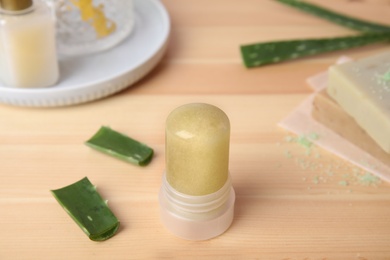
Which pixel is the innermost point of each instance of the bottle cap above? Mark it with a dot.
(15, 5)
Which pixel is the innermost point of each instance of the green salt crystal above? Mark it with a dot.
(343, 183)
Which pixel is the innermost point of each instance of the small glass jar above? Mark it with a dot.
(90, 26)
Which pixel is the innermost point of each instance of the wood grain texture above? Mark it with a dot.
(290, 205)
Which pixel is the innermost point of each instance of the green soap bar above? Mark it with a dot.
(120, 146)
(87, 208)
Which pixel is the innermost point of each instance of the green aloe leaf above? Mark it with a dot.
(347, 21)
(264, 53)
(272, 52)
(86, 207)
(120, 146)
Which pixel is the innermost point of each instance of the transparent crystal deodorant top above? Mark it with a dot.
(197, 149)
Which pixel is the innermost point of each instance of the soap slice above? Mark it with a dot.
(362, 89)
(327, 112)
(86, 207)
(120, 146)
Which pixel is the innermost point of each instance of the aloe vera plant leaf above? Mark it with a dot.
(272, 52)
(86, 207)
(347, 21)
(120, 146)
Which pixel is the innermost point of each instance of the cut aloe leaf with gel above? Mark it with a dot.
(120, 146)
(341, 19)
(87, 208)
(272, 52)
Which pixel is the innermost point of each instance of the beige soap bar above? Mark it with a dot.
(330, 114)
(362, 89)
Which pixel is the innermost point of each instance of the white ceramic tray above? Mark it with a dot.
(95, 76)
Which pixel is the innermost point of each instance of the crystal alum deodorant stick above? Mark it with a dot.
(197, 198)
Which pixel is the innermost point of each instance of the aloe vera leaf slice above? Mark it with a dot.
(272, 52)
(120, 146)
(344, 20)
(86, 207)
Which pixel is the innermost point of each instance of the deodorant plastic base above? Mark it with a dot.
(196, 217)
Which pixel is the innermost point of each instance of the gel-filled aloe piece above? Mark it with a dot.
(87, 208)
(120, 146)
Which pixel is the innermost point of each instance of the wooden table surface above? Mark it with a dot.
(284, 210)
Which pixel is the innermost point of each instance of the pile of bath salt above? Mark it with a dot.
(320, 167)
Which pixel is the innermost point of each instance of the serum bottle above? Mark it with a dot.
(28, 57)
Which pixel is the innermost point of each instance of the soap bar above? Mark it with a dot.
(362, 89)
(197, 149)
(327, 112)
